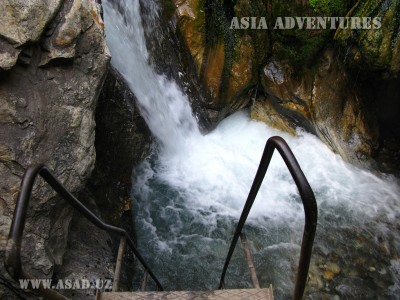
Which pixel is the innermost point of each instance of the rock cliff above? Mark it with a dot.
(53, 62)
(336, 83)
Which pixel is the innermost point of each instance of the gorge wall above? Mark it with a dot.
(53, 63)
(338, 84)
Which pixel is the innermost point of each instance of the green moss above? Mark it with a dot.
(168, 9)
(299, 49)
(367, 8)
(374, 49)
(216, 22)
(331, 7)
(200, 20)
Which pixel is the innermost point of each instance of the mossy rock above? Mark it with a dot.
(330, 7)
(168, 9)
(300, 47)
(296, 46)
(375, 48)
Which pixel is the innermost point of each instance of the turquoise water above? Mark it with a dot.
(188, 204)
(189, 193)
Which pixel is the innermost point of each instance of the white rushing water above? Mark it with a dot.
(170, 120)
(191, 190)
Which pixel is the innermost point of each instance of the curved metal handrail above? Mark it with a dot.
(13, 249)
(309, 204)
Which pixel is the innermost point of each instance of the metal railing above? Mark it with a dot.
(309, 204)
(13, 249)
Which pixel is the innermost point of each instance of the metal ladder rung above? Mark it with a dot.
(249, 260)
(144, 282)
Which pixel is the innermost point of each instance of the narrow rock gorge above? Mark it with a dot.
(63, 104)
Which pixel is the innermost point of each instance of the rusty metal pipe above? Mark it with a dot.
(13, 248)
(309, 204)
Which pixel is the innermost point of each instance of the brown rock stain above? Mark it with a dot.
(241, 71)
(213, 70)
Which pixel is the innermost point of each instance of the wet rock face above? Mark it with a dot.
(53, 62)
(225, 61)
(230, 55)
(341, 113)
(123, 140)
(346, 96)
(377, 49)
(374, 56)
(324, 103)
(171, 57)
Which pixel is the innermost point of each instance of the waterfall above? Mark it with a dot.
(162, 104)
(190, 193)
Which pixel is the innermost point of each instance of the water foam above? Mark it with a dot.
(190, 191)
(195, 196)
(163, 105)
